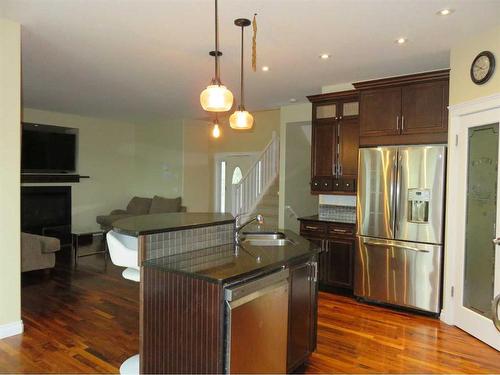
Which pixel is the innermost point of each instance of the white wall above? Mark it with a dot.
(106, 154)
(10, 160)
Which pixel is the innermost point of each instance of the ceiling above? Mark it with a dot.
(147, 60)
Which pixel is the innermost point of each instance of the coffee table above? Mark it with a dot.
(84, 234)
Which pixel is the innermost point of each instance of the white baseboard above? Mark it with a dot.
(11, 329)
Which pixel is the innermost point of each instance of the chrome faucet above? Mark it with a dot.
(259, 219)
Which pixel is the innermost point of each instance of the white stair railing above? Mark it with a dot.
(254, 184)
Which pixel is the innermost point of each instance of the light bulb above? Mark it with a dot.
(216, 98)
(216, 131)
(241, 120)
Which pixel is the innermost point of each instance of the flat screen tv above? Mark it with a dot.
(48, 149)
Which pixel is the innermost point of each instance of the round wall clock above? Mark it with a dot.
(482, 67)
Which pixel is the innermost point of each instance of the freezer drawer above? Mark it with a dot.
(400, 273)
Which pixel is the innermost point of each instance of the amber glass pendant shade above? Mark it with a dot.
(241, 120)
(216, 98)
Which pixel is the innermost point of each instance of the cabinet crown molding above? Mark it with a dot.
(435, 75)
(332, 96)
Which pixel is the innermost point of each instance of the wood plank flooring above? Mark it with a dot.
(87, 321)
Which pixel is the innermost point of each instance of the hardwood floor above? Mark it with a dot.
(86, 321)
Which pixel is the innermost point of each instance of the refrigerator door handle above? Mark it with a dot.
(395, 187)
(399, 172)
(377, 243)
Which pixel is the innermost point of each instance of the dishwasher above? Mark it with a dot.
(257, 325)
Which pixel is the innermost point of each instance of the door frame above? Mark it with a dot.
(218, 157)
(455, 200)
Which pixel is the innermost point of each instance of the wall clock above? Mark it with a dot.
(482, 67)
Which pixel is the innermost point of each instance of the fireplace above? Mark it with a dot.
(46, 210)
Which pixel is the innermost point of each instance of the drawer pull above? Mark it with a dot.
(311, 228)
(340, 230)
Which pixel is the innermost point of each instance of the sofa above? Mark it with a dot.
(38, 252)
(141, 206)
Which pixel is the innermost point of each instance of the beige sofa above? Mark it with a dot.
(38, 252)
(141, 206)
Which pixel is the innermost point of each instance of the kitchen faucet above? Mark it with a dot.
(259, 219)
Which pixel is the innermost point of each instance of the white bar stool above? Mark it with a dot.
(123, 251)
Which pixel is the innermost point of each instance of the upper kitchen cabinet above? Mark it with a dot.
(409, 109)
(335, 141)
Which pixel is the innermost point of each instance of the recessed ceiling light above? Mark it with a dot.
(445, 12)
(265, 68)
(293, 100)
(324, 56)
(401, 40)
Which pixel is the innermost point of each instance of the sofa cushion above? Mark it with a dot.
(106, 221)
(139, 206)
(161, 205)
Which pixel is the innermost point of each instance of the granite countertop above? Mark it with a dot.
(326, 220)
(159, 223)
(222, 264)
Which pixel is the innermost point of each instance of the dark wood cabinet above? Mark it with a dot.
(302, 314)
(409, 109)
(335, 141)
(424, 108)
(323, 148)
(379, 112)
(336, 261)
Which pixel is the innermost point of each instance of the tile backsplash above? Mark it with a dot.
(344, 214)
(181, 241)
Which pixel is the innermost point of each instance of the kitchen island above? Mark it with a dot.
(211, 306)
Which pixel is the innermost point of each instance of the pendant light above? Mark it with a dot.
(241, 119)
(216, 97)
(216, 129)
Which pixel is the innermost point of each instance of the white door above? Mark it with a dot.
(230, 170)
(477, 283)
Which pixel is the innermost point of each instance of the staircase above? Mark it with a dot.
(268, 206)
(257, 192)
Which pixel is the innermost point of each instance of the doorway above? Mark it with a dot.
(473, 235)
(230, 168)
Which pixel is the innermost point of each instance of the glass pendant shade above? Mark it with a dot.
(216, 98)
(216, 131)
(241, 120)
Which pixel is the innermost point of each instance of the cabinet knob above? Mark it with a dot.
(326, 184)
(347, 185)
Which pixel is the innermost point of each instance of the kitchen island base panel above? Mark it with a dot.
(181, 324)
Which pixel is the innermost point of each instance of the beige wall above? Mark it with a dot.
(158, 159)
(297, 192)
(106, 154)
(289, 114)
(461, 86)
(197, 168)
(10, 155)
(200, 149)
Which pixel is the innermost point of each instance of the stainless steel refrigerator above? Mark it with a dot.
(400, 208)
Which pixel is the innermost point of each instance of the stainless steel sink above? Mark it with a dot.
(263, 236)
(268, 242)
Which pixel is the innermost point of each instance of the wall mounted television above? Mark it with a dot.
(48, 149)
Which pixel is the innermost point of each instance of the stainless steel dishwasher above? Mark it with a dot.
(257, 325)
